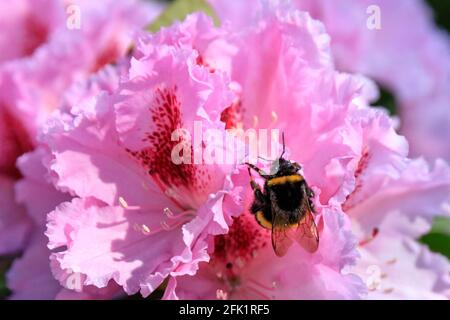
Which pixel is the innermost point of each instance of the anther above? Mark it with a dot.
(274, 116)
(168, 213)
(255, 121)
(392, 261)
(375, 232)
(145, 229)
(123, 203)
(222, 295)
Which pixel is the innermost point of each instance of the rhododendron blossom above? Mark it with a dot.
(323, 276)
(38, 204)
(126, 169)
(32, 85)
(149, 216)
(367, 142)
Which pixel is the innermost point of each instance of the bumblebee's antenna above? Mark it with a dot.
(284, 147)
(268, 160)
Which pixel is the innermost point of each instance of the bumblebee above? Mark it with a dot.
(285, 206)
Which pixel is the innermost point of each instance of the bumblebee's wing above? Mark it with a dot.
(280, 240)
(306, 233)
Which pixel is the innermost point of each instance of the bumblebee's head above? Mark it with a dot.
(281, 166)
(284, 167)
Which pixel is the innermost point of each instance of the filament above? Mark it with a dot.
(124, 204)
(259, 293)
(366, 241)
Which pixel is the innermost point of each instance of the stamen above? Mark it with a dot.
(173, 221)
(274, 116)
(240, 262)
(168, 213)
(392, 261)
(271, 288)
(124, 204)
(165, 226)
(145, 229)
(364, 242)
(259, 293)
(255, 121)
(222, 295)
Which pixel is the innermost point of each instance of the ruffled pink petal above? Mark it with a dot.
(30, 277)
(392, 259)
(112, 291)
(413, 190)
(34, 190)
(88, 160)
(401, 209)
(15, 225)
(122, 250)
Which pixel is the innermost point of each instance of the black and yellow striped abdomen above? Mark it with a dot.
(286, 191)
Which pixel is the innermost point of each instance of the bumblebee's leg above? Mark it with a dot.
(259, 196)
(261, 205)
(258, 170)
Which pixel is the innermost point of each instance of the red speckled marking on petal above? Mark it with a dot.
(165, 113)
(241, 243)
(201, 62)
(362, 165)
(15, 142)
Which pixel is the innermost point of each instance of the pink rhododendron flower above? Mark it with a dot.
(27, 25)
(133, 267)
(411, 62)
(33, 85)
(299, 83)
(148, 216)
(43, 67)
(14, 222)
(36, 191)
(338, 135)
(391, 206)
(101, 206)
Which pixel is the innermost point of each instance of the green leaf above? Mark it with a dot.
(441, 225)
(438, 239)
(438, 242)
(386, 100)
(178, 10)
(5, 264)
